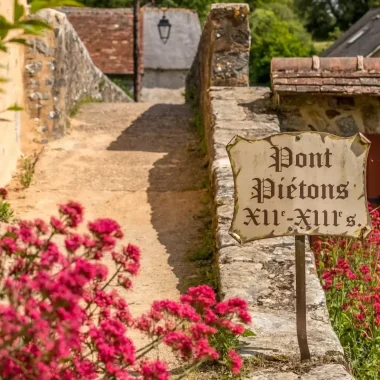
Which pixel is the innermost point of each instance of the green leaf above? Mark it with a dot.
(33, 27)
(15, 107)
(5, 27)
(21, 41)
(37, 5)
(19, 11)
(247, 333)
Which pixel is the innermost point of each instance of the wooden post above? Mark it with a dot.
(136, 51)
(301, 297)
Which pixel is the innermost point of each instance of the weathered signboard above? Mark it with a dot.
(306, 183)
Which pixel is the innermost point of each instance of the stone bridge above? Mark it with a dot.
(134, 160)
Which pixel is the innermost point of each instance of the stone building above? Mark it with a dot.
(108, 36)
(335, 95)
(362, 38)
(167, 64)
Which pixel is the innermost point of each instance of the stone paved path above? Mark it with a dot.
(135, 163)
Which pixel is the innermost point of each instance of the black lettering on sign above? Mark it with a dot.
(264, 189)
(302, 216)
(342, 190)
(335, 215)
(351, 221)
(291, 189)
(255, 217)
(302, 190)
(313, 191)
(316, 218)
(324, 191)
(281, 159)
(281, 189)
(301, 160)
(252, 216)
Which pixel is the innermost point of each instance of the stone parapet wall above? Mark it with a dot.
(223, 52)
(263, 272)
(222, 58)
(59, 75)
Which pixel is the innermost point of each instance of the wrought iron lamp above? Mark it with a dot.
(164, 28)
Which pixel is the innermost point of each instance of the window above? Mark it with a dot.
(356, 36)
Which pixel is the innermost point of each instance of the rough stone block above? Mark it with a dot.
(33, 67)
(325, 372)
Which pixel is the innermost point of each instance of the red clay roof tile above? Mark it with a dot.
(108, 37)
(351, 75)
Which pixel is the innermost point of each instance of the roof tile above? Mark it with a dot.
(108, 37)
(354, 75)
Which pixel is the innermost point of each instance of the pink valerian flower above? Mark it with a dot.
(59, 308)
(200, 297)
(350, 273)
(73, 242)
(104, 227)
(51, 255)
(8, 245)
(234, 306)
(72, 212)
(3, 193)
(201, 330)
(181, 342)
(236, 361)
(129, 259)
(176, 309)
(203, 351)
(58, 226)
(124, 281)
(154, 370)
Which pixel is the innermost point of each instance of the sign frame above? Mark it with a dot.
(358, 138)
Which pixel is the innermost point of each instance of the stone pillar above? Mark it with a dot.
(223, 53)
(231, 39)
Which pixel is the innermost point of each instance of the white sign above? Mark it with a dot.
(305, 183)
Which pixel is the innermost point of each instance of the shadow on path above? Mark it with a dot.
(175, 180)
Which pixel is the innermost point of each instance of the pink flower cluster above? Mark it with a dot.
(185, 326)
(349, 270)
(62, 317)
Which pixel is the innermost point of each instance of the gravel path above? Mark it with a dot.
(134, 163)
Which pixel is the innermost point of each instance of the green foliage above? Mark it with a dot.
(323, 16)
(202, 6)
(224, 340)
(191, 96)
(125, 84)
(25, 26)
(27, 172)
(84, 101)
(335, 34)
(276, 32)
(6, 212)
(37, 5)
